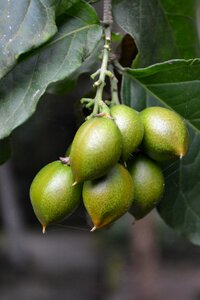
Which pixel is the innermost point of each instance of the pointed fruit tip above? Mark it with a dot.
(93, 229)
(182, 152)
(43, 229)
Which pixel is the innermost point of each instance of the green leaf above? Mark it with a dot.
(174, 84)
(88, 66)
(162, 29)
(63, 5)
(23, 26)
(77, 37)
(92, 1)
(180, 207)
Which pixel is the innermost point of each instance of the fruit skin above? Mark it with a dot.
(52, 195)
(148, 183)
(131, 127)
(165, 134)
(109, 197)
(96, 148)
(67, 153)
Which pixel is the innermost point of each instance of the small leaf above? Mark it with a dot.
(176, 85)
(79, 34)
(162, 29)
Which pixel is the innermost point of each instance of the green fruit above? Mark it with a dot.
(148, 182)
(67, 153)
(131, 127)
(109, 197)
(165, 134)
(52, 195)
(96, 148)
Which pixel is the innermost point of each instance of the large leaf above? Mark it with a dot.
(88, 67)
(175, 85)
(162, 29)
(20, 89)
(26, 25)
(63, 5)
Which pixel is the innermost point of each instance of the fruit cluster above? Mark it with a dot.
(112, 166)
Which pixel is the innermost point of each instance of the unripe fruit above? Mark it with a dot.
(148, 182)
(96, 148)
(67, 153)
(165, 134)
(109, 197)
(52, 195)
(131, 127)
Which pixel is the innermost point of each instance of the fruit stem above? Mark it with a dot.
(119, 67)
(103, 70)
(114, 89)
(99, 105)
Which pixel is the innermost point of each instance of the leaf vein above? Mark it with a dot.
(70, 33)
(21, 103)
